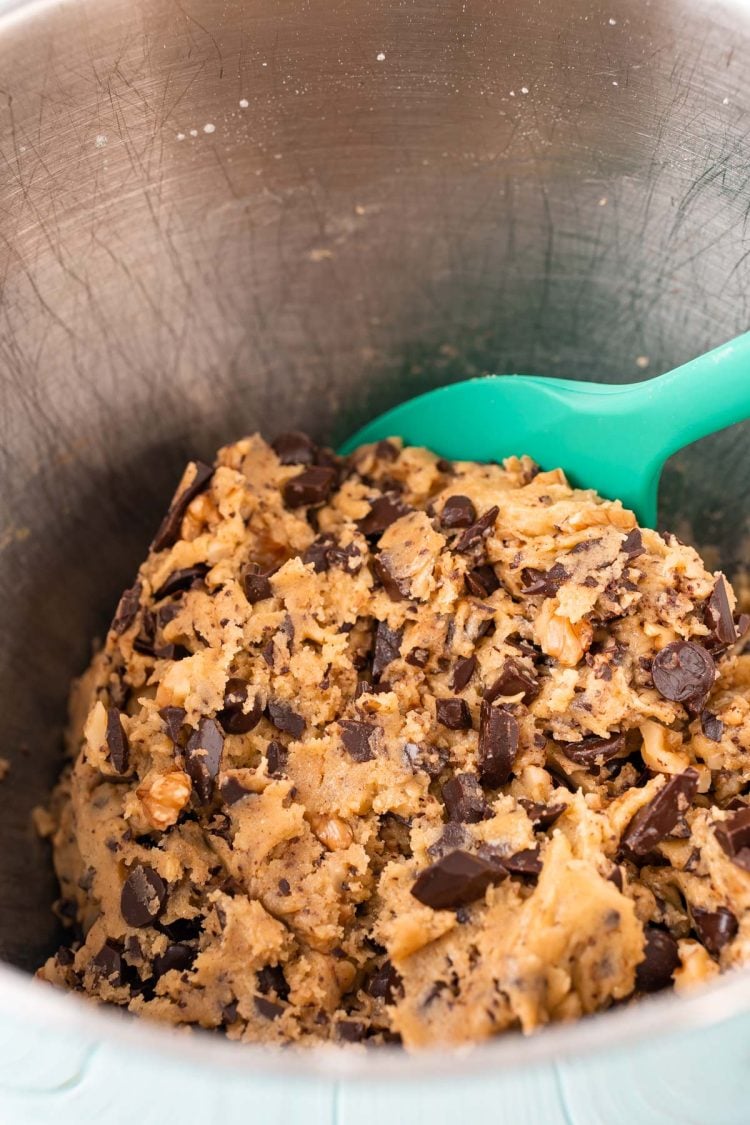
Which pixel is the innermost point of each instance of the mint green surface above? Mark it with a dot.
(611, 438)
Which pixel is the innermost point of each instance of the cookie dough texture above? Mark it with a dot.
(392, 749)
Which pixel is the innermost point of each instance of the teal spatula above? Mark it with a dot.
(615, 439)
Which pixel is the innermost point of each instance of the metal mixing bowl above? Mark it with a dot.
(218, 216)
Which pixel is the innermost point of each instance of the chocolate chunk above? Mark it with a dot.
(107, 964)
(183, 579)
(144, 896)
(715, 928)
(456, 880)
(453, 713)
(712, 726)
(317, 554)
(478, 531)
(118, 749)
(525, 864)
(269, 1009)
(464, 799)
(481, 581)
(733, 835)
(546, 582)
(683, 672)
(397, 590)
(349, 558)
(169, 531)
(718, 615)
(285, 718)
(443, 465)
(277, 757)
(463, 670)
(386, 451)
(350, 1031)
(145, 641)
(632, 545)
(294, 448)
(174, 719)
(513, 680)
(657, 819)
(542, 816)
(660, 959)
(498, 745)
(418, 657)
(127, 609)
(384, 511)
(311, 486)
(743, 624)
(357, 739)
(458, 511)
(284, 888)
(235, 717)
(203, 757)
(271, 979)
(232, 790)
(256, 583)
(453, 836)
(175, 958)
(365, 688)
(387, 648)
(386, 984)
(594, 751)
(325, 553)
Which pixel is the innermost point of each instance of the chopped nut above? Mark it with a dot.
(200, 515)
(333, 832)
(164, 797)
(559, 637)
(600, 515)
(696, 968)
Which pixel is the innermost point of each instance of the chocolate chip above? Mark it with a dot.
(325, 553)
(256, 583)
(712, 726)
(456, 879)
(386, 451)
(458, 511)
(294, 448)
(718, 615)
(284, 888)
(660, 959)
(453, 836)
(683, 672)
(144, 642)
(594, 751)
(715, 928)
(183, 579)
(144, 896)
(357, 739)
(453, 713)
(464, 799)
(365, 688)
(169, 531)
(271, 979)
(234, 717)
(526, 863)
(285, 718)
(541, 816)
(349, 558)
(498, 745)
(513, 680)
(657, 819)
(478, 531)
(232, 790)
(174, 719)
(107, 964)
(317, 554)
(175, 958)
(615, 876)
(350, 1031)
(396, 589)
(418, 657)
(387, 648)
(632, 544)
(481, 581)
(127, 609)
(118, 749)
(311, 486)
(733, 835)
(269, 1009)
(546, 582)
(384, 511)
(463, 670)
(386, 984)
(443, 465)
(277, 757)
(203, 757)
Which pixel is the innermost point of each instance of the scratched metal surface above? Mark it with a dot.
(222, 216)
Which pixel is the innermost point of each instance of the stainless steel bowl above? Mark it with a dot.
(218, 216)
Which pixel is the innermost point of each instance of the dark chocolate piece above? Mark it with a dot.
(526, 863)
(175, 958)
(594, 751)
(478, 531)
(463, 670)
(232, 790)
(542, 816)
(464, 799)
(385, 984)
(657, 819)
(234, 717)
(453, 836)
(718, 615)
(498, 745)
(683, 672)
(387, 648)
(174, 720)
(118, 749)
(513, 680)
(481, 581)
(183, 579)
(715, 928)
(203, 757)
(453, 713)
(271, 978)
(384, 511)
(127, 609)
(143, 897)
(107, 964)
(632, 545)
(256, 583)
(357, 739)
(546, 582)
(294, 448)
(734, 836)
(660, 959)
(386, 451)
(285, 718)
(350, 1031)
(712, 726)
(456, 880)
(269, 1009)
(311, 486)
(169, 531)
(277, 757)
(418, 657)
(396, 589)
(458, 511)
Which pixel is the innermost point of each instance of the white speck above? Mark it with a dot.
(725, 101)
(359, 209)
(277, 156)
(193, 132)
(612, 23)
(100, 140)
(180, 136)
(524, 89)
(603, 201)
(244, 103)
(320, 254)
(513, 93)
(264, 64)
(642, 361)
(380, 56)
(615, 83)
(209, 128)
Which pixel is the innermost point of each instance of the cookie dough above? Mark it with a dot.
(392, 749)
